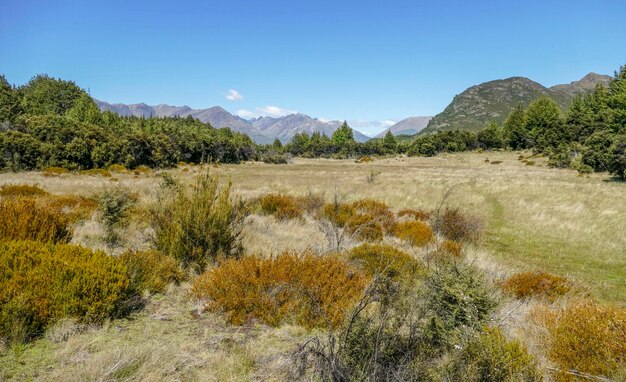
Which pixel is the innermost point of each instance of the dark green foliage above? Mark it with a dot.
(617, 158)
(47, 95)
(459, 299)
(444, 141)
(403, 332)
(114, 206)
(492, 137)
(515, 134)
(200, 225)
(389, 142)
(55, 123)
(543, 120)
(489, 357)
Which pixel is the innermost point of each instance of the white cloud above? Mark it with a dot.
(274, 111)
(233, 95)
(246, 114)
(267, 111)
(388, 122)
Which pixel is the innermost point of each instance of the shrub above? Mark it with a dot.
(42, 283)
(459, 226)
(447, 250)
(365, 159)
(25, 219)
(96, 172)
(376, 211)
(384, 259)
(280, 206)
(17, 190)
(151, 270)
(496, 162)
(536, 284)
(120, 169)
(365, 220)
(73, 206)
(274, 158)
(416, 233)
(114, 206)
(414, 214)
(55, 171)
(585, 337)
(459, 298)
(313, 291)
(490, 357)
(142, 169)
(311, 203)
(199, 226)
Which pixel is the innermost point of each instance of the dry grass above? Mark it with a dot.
(536, 217)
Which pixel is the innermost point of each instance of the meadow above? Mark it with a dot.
(535, 218)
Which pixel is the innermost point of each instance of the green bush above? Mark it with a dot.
(459, 299)
(42, 283)
(114, 206)
(198, 226)
(490, 357)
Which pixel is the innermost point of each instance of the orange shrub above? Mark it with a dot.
(384, 259)
(25, 219)
(536, 284)
(458, 226)
(447, 250)
(586, 337)
(310, 290)
(151, 270)
(310, 203)
(17, 190)
(416, 233)
(42, 283)
(414, 214)
(73, 206)
(280, 206)
(378, 211)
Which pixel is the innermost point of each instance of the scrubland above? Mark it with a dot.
(471, 266)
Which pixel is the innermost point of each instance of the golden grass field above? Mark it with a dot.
(537, 218)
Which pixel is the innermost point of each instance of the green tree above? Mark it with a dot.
(277, 144)
(9, 104)
(617, 101)
(617, 157)
(543, 120)
(389, 142)
(515, 134)
(343, 134)
(47, 95)
(84, 110)
(491, 137)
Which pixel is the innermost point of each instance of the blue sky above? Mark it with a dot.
(356, 60)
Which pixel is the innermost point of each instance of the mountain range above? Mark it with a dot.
(478, 105)
(261, 130)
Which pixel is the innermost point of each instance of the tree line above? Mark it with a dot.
(590, 136)
(50, 122)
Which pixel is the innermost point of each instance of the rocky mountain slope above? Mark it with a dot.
(408, 126)
(478, 105)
